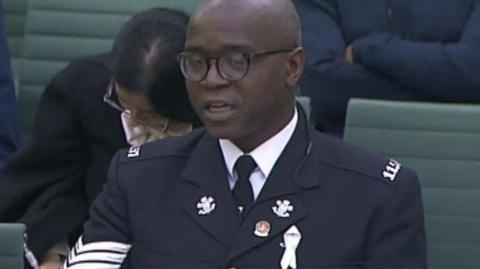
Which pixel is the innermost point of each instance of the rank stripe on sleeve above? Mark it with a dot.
(96, 255)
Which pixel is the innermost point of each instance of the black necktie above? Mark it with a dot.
(242, 191)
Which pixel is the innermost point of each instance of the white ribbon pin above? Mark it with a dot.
(291, 240)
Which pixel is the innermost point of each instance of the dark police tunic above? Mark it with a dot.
(351, 210)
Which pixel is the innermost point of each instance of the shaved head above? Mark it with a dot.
(277, 20)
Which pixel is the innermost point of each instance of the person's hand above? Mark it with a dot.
(51, 261)
(349, 54)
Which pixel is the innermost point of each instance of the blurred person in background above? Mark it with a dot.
(9, 138)
(388, 49)
(89, 110)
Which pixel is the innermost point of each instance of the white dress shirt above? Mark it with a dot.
(265, 155)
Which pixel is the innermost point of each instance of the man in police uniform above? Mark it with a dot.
(311, 201)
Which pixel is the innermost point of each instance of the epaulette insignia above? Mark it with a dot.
(133, 152)
(391, 170)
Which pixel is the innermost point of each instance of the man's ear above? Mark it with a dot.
(296, 64)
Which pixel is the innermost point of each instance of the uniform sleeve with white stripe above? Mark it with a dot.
(105, 242)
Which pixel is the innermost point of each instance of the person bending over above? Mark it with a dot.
(93, 107)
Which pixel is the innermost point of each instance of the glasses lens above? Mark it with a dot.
(233, 66)
(193, 66)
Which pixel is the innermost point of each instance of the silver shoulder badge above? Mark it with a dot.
(133, 152)
(391, 170)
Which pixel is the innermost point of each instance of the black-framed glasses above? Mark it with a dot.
(231, 66)
(107, 98)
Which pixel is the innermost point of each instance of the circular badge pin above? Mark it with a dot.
(262, 228)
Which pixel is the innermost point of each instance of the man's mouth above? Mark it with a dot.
(218, 107)
(218, 111)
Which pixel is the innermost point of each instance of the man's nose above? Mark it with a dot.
(214, 79)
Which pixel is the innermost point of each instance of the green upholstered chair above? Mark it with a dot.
(11, 245)
(15, 12)
(58, 31)
(304, 101)
(441, 142)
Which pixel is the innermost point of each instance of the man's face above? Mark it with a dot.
(252, 109)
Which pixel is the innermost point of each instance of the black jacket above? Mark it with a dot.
(50, 183)
(353, 210)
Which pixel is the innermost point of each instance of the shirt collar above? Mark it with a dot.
(266, 154)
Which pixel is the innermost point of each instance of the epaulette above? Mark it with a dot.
(173, 146)
(357, 160)
(385, 170)
(148, 151)
(151, 150)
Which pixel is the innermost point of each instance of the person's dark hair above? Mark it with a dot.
(144, 60)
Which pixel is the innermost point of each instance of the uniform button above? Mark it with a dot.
(233, 267)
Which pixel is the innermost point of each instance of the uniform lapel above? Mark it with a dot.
(207, 174)
(286, 180)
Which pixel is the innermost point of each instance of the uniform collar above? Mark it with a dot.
(266, 154)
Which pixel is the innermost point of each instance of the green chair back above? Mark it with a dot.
(11, 245)
(15, 13)
(304, 101)
(57, 31)
(441, 142)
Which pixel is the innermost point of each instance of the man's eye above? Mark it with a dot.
(195, 62)
(236, 61)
